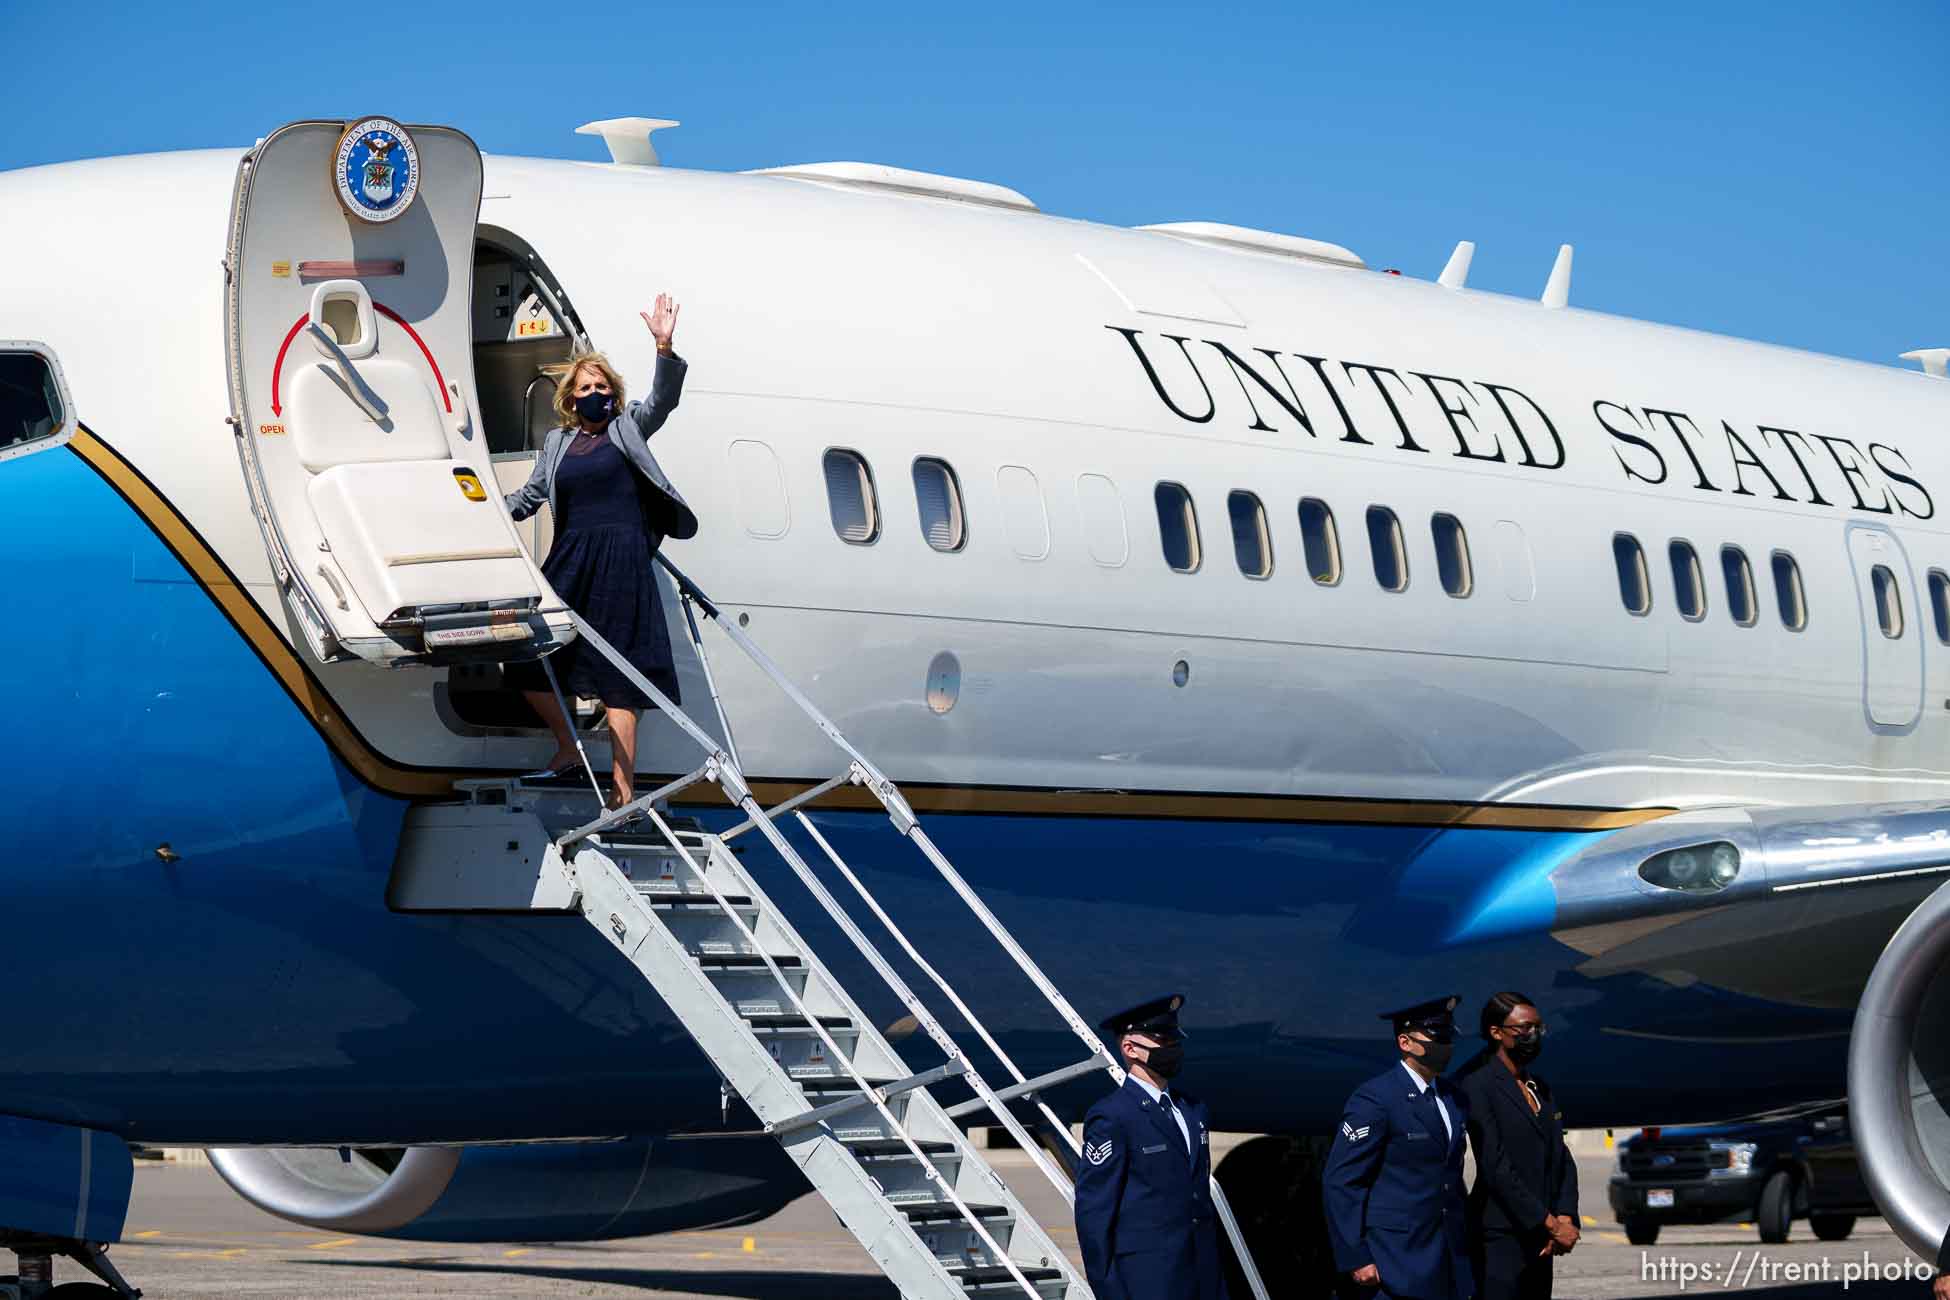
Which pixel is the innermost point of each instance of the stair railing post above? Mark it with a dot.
(569, 720)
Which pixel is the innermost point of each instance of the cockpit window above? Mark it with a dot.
(30, 400)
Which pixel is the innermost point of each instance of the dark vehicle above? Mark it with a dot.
(1770, 1171)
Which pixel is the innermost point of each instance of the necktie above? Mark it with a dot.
(1171, 1112)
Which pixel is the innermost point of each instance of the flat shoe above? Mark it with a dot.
(551, 773)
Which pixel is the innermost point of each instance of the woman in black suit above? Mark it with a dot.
(1523, 1209)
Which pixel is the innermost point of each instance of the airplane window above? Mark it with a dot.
(1634, 584)
(1178, 527)
(850, 497)
(1940, 603)
(1739, 574)
(1452, 555)
(1688, 586)
(1323, 541)
(937, 493)
(1889, 601)
(1787, 592)
(1251, 545)
(1390, 554)
(30, 400)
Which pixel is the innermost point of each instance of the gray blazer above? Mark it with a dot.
(665, 513)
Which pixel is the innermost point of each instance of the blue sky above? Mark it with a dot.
(1774, 171)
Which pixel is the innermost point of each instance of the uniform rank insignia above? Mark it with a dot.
(1096, 1155)
(1354, 1134)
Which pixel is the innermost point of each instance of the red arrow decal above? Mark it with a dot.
(279, 367)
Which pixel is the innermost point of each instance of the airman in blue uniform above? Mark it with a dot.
(1144, 1186)
(1393, 1186)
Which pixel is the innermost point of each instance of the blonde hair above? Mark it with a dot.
(565, 383)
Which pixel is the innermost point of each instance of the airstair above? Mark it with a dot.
(856, 1116)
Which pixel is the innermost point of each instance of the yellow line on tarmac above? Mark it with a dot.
(1616, 1237)
(516, 1254)
(1590, 1222)
(333, 1244)
(749, 1245)
(232, 1253)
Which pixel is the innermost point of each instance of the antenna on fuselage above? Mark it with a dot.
(1558, 291)
(628, 138)
(1935, 361)
(1456, 273)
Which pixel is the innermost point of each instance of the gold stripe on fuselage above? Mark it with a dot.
(383, 774)
(221, 585)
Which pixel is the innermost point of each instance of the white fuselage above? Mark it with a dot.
(897, 326)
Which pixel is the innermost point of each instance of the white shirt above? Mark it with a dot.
(1422, 1085)
(1155, 1092)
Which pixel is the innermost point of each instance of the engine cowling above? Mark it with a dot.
(555, 1191)
(1899, 1078)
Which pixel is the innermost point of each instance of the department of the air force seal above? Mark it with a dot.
(376, 170)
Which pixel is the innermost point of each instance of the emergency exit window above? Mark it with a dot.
(1889, 601)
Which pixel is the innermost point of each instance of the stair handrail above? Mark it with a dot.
(905, 820)
(722, 769)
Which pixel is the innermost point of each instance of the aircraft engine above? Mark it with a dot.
(1899, 1078)
(553, 1191)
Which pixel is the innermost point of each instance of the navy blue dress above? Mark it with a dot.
(601, 566)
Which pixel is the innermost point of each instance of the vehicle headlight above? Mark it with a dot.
(1739, 1157)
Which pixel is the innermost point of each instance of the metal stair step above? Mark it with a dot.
(652, 838)
(944, 1212)
(741, 961)
(895, 1149)
(835, 1088)
(793, 1020)
(662, 898)
(987, 1275)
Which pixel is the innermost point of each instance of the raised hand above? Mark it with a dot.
(662, 321)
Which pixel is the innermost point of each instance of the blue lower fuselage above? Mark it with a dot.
(250, 984)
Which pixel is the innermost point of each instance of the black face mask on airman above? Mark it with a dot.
(1435, 1055)
(1166, 1060)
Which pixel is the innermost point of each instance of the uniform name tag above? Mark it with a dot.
(1152, 1151)
(1412, 1136)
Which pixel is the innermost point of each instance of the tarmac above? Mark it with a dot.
(190, 1238)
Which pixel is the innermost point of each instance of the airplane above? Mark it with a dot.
(1238, 619)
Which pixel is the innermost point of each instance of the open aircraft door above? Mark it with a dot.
(349, 340)
(1892, 630)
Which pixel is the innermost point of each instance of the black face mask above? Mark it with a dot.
(1166, 1061)
(1526, 1048)
(593, 407)
(1435, 1055)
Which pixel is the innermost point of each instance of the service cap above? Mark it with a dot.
(1158, 1016)
(1436, 1018)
